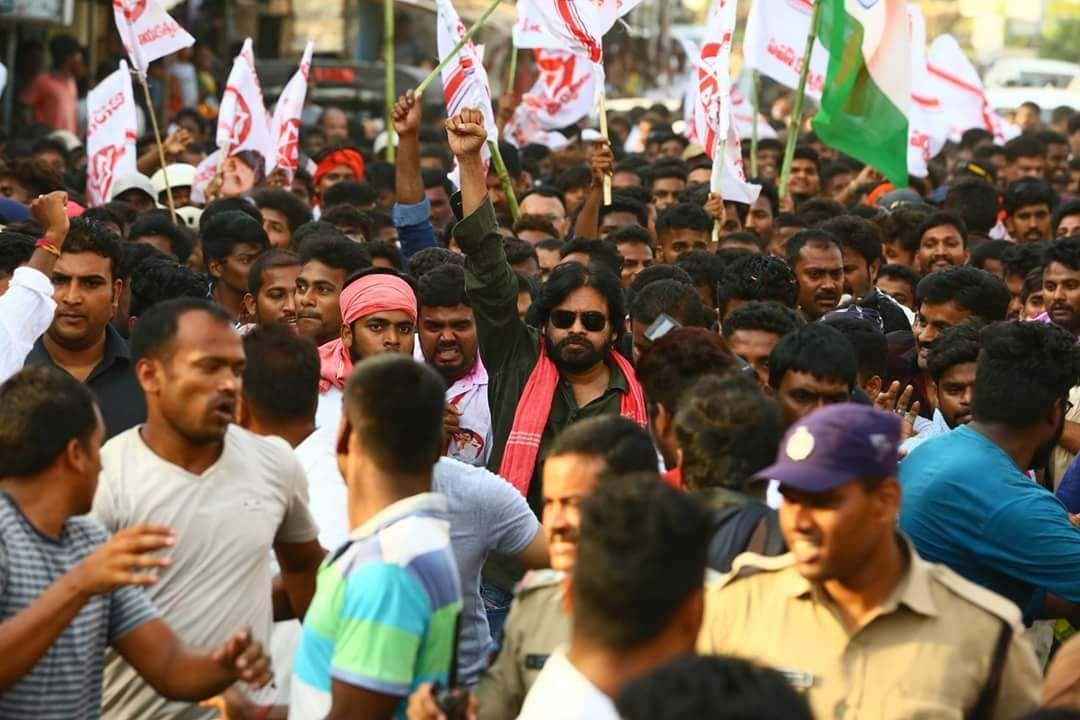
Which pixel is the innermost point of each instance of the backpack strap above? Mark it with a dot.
(983, 709)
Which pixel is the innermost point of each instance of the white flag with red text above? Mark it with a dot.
(957, 84)
(928, 126)
(242, 121)
(744, 118)
(204, 173)
(464, 79)
(148, 32)
(110, 134)
(285, 125)
(580, 25)
(775, 39)
(564, 92)
(530, 30)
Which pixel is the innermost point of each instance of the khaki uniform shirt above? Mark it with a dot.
(536, 626)
(925, 653)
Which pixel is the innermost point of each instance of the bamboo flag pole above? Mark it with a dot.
(755, 110)
(160, 147)
(796, 110)
(504, 179)
(388, 61)
(457, 48)
(716, 183)
(511, 80)
(604, 132)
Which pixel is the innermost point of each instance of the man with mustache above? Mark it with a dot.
(271, 295)
(968, 500)
(942, 242)
(818, 263)
(1061, 293)
(231, 496)
(856, 618)
(447, 331)
(1029, 208)
(951, 367)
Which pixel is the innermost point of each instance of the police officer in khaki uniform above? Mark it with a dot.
(538, 622)
(852, 615)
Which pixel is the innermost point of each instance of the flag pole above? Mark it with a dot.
(716, 184)
(160, 147)
(457, 48)
(511, 80)
(504, 179)
(755, 110)
(388, 61)
(604, 132)
(796, 110)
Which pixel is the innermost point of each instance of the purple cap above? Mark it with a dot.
(834, 445)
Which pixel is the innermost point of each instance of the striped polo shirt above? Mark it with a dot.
(385, 609)
(65, 683)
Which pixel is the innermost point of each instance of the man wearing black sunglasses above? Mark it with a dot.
(540, 381)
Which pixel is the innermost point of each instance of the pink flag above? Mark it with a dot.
(563, 94)
(242, 120)
(285, 126)
(775, 39)
(148, 32)
(959, 87)
(928, 126)
(110, 134)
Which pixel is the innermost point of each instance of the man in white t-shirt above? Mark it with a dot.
(229, 494)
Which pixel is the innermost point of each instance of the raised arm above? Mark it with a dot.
(602, 165)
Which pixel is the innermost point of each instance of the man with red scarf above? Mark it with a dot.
(538, 381)
(337, 166)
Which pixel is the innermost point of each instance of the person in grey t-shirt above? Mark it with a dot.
(68, 590)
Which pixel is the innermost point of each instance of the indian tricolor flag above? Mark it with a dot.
(868, 86)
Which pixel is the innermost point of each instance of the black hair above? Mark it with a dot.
(812, 236)
(621, 202)
(548, 191)
(336, 252)
(159, 279)
(157, 327)
(758, 277)
(817, 210)
(42, 409)
(1023, 369)
(159, 224)
(315, 229)
(15, 250)
(655, 273)
(818, 349)
(430, 258)
(977, 203)
(675, 361)
(1022, 259)
(107, 213)
(989, 250)
(518, 251)
(573, 178)
(672, 168)
(535, 223)
(1070, 208)
(349, 192)
(272, 258)
(902, 225)
(1028, 192)
(567, 278)
(1023, 146)
(973, 136)
(640, 558)
(227, 230)
(977, 291)
(443, 286)
(90, 236)
(683, 216)
(623, 166)
(296, 211)
(1033, 283)
(622, 444)
(1064, 252)
(389, 251)
(228, 204)
(719, 688)
(395, 405)
(46, 144)
(837, 167)
(871, 348)
(62, 48)
(281, 376)
(349, 216)
(705, 268)
(631, 234)
(742, 238)
(602, 252)
(786, 219)
(862, 236)
(679, 300)
(770, 192)
(764, 316)
(805, 152)
(959, 344)
(943, 217)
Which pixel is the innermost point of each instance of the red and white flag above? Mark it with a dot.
(110, 134)
(744, 118)
(564, 92)
(775, 39)
(148, 32)
(285, 125)
(957, 84)
(530, 30)
(714, 120)
(242, 120)
(580, 25)
(928, 126)
(204, 173)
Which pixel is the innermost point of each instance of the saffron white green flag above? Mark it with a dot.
(868, 86)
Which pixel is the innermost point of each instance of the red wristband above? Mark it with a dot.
(47, 244)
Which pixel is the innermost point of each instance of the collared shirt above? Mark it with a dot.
(472, 442)
(413, 223)
(385, 609)
(563, 692)
(112, 381)
(967, 505)
(26, 312)
(925, 652)
(924, 430)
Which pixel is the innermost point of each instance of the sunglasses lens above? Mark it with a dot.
(593, 321)
(562, 319)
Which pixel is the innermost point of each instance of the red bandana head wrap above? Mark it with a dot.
(366, 296)
(345, 156)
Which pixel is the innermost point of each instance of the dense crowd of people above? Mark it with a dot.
(367, 443)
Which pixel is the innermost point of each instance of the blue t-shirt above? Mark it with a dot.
(966, 504)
